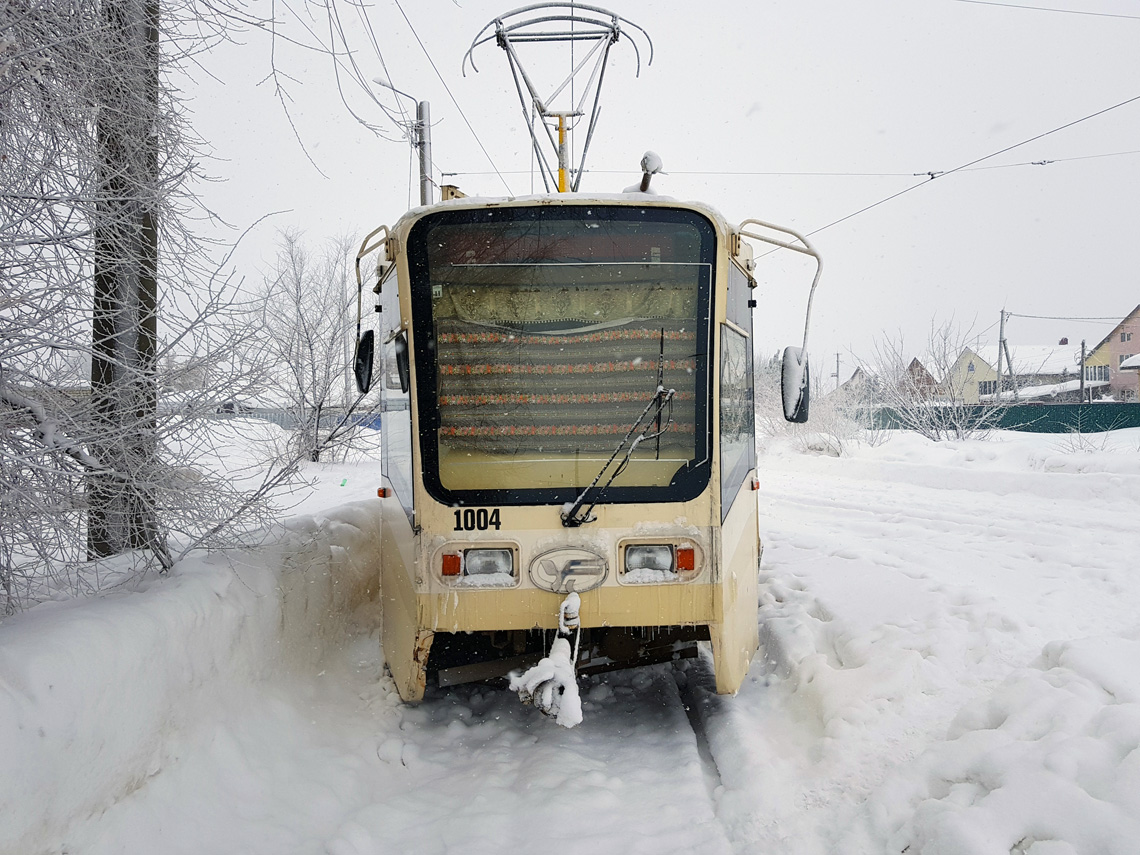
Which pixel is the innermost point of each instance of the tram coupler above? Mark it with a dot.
(552, 685)
(568, 619)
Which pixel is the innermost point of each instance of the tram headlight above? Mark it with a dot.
(478, 567)
(479, 562)
(649, 557)
(657, 563)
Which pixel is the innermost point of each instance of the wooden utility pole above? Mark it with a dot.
(121, 514)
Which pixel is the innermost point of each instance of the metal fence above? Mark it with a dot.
(289, 420)
(1035, 418)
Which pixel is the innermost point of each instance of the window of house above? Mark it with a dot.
(1125, 356)
(1126, 336)
(1096, 372)
(987, 387)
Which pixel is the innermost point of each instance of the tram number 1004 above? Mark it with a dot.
(470, 519)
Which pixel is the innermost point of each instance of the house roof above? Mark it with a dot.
(1035, 358)
(1050, 390)
(1132, 363)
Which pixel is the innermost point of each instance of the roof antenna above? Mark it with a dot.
(650, 165)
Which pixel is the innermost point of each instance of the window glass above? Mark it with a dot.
(395, 407)
(737, 415)
(542, 337)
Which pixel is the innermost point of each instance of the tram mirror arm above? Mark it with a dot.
(795, 380)
(362, 362)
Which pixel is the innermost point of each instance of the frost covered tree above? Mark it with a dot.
(109, 299)
(917, 391)
(80, 133)
(308, 313)
(96, 159)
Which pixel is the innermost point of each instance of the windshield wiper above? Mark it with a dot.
(573, 514)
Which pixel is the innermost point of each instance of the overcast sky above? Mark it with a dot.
(801, 113)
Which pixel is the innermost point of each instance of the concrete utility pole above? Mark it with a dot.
(423, 143)
(1001, 347)
(421, 137)
(1082, 371)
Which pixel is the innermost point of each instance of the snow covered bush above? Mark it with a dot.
(832, 425)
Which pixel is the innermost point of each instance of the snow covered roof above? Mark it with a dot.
(1035, 358)
(1132, 363)
(1048, 390)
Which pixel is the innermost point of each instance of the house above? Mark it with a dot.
(1106, 360)
(920, 383)
(860, 385)
(914, 383)
(1031, 372)
(969, 378)
(1131, 365)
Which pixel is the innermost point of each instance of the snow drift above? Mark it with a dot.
(91, 690)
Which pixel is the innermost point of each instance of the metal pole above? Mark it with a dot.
(423, 143)
(1082, 370)
(1001, 344)
(563, 156)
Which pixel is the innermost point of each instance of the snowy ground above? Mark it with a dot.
(951, 664)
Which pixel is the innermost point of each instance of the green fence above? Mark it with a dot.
(1036, 418)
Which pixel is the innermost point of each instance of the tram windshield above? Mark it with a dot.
(543, 333)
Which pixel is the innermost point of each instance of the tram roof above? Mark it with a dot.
(565, 199)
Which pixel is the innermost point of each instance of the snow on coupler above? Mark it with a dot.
(552, 685)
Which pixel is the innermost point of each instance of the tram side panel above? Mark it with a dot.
(405, 643)
(735, 636)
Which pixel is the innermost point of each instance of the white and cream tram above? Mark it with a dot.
(567, 407)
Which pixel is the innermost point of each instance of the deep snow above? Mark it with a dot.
(951, 665)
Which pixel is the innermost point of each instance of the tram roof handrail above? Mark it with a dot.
(365, 250)
(805, 248)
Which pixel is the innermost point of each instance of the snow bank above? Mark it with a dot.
(87, 712)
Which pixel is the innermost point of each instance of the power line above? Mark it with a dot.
(1048, 9)
(823, 174)
(1114, 319)
(450, 95)
(966, 166)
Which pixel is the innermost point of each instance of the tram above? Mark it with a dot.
(567, 415)
(567, 407)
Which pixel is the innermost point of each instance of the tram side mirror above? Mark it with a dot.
(401, 344)
(362, 362)
(795, 381)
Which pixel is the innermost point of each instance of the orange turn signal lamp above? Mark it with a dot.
(686, 559)
(452, 564)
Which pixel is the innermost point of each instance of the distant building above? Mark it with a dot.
(1107, 360)
(1032, 373)
(1132, 365)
